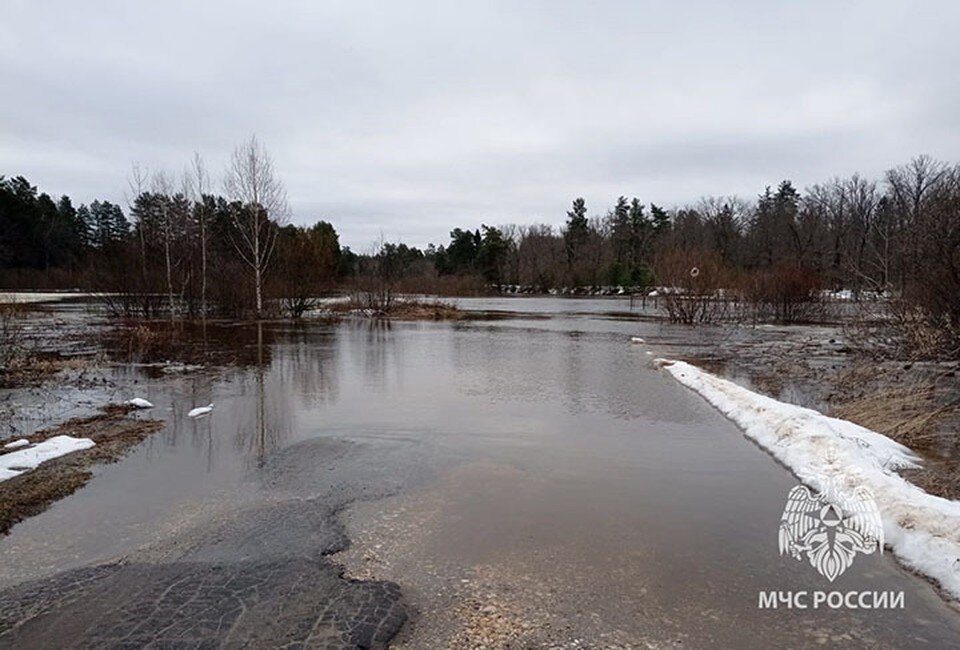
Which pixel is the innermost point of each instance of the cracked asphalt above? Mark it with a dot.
(254, 576)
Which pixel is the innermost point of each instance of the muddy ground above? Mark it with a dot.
(115, 431)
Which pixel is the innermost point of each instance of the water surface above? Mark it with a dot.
(540, 465)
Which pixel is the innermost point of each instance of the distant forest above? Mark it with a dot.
(181, 247)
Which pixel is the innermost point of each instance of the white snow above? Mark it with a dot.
(923, 530)
(636, 339)
(16, 444)
(200, 410)
(17, 462)
(180, 367)
(140, 403)
(37, 296)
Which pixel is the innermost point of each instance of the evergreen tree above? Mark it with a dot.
(577, 230)
(620, 229)
(86, 226)
(661, 220)
(461, 254)
(492, 254)
(109, 224)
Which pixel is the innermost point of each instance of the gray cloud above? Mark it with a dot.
(412, 118)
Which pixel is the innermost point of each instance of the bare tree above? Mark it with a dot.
(137, 182)
(199, 185)
(250, 179)
(163, 186)
(910, 188)
(725, 218)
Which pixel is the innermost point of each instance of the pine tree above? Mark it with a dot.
(620, 230)
(492, 253)
(577, 230)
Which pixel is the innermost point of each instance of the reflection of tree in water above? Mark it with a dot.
(264, 417)
(574, 386)
(306, 362)
(300, 361)
(376, 349)
(199, 431)
(266, 367)
(204, 343)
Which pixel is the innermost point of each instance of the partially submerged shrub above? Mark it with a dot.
(694, 287)
(785, 293)
(11, 336)
(925, 335)
(399, 307)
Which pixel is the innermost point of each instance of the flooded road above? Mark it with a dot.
(531, 481)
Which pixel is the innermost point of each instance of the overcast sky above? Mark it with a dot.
(411, 118)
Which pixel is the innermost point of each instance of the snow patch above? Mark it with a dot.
(24, 297)
(171, 368)
(199, 411)
(140, 403)
(923, 530)
(18, 462)
(16, 444)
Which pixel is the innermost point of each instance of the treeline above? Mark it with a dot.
(39, 233)
(851, 233)
(182, 251)
(185, 249)
(895, 238)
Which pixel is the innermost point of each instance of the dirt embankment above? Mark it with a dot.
(114, 431)
(916, 403)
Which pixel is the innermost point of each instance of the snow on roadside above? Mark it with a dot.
(16, 444)
(923, 530)
(17, 462)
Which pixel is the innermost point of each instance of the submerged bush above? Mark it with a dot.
(694, 283)
(785, 293)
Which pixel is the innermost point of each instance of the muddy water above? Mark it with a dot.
(531, 482)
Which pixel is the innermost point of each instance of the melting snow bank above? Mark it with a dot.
(17, 462)
(922, 529)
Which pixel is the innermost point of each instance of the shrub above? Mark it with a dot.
(11, 334)
(785, 293)
(693, 286)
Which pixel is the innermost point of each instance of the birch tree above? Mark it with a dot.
(137, 182)
(250, 180)
(199, 185)
(163, 187)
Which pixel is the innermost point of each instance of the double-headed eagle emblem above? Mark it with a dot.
(830, 527)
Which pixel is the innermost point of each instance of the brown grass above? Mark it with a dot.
(33, 492)
(920, 417)
(30, 369)
(904, 413)
(420, 310)
(403, 309)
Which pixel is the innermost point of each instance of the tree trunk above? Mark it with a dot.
(203, 264)
(166, 247)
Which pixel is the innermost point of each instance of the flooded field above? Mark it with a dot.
(529, 481)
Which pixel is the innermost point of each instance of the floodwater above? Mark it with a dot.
(534, 481)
